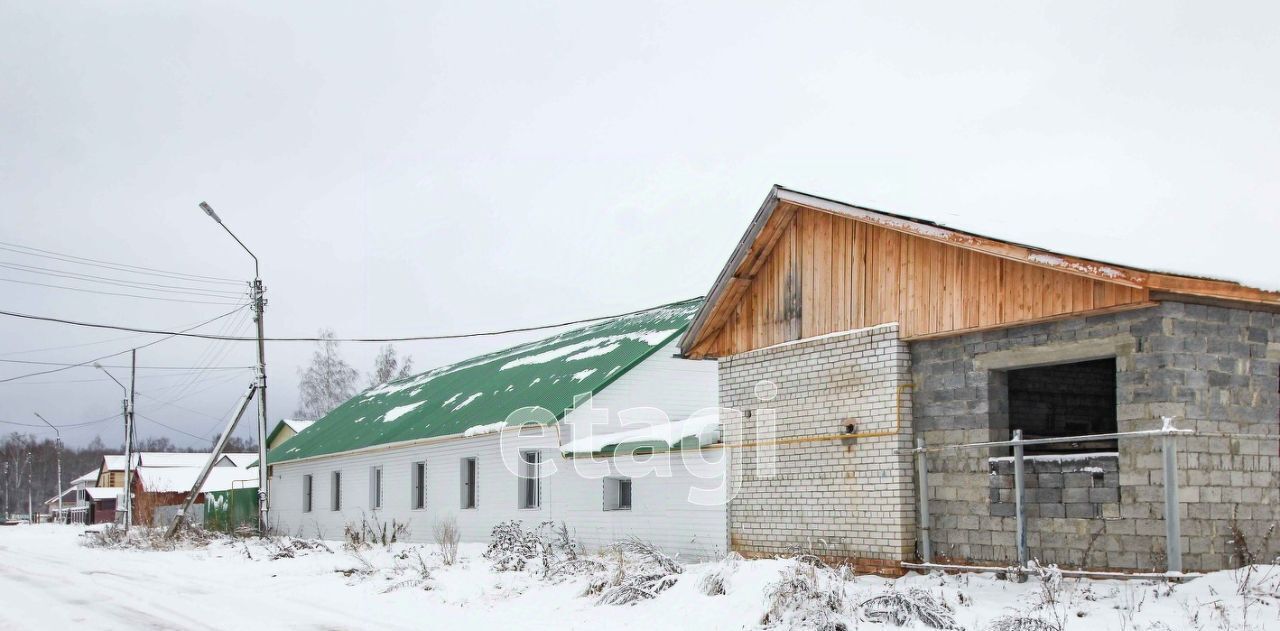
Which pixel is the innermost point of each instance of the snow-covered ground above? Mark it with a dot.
(48, 580)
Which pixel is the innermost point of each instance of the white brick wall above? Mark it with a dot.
(852, 501)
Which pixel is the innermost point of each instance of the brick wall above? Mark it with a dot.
(850, 500)
(1216, 369)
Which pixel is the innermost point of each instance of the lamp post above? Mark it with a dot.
(58, 452)
(258, 305)
(127, 404)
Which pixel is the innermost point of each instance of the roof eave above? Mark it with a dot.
(762, 216)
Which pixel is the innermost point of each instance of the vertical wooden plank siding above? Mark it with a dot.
(827, 273)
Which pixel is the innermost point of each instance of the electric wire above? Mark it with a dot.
(123, 267)
(410, 338)
(121, 282)
(113, 293)
(151, 343)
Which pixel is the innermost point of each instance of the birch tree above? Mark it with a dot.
(327, 383)
(388, 367)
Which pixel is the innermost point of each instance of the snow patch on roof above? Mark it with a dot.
(480, 430)
(468, 401)
(450, 400)
(583, 374)
(704, 427)
(397, 412)
(590, 348)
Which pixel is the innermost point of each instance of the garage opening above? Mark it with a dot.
(1063, 400)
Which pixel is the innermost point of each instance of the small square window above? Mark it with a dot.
(617, 493)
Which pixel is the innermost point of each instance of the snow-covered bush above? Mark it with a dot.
(899, 607)
(548, 549)
(148, 538)
(446, 534)
(1022, 622)
(716, 582)
(808, 596)
(370, 533)
(639, 571)
(416, 566)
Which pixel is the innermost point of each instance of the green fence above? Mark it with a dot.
(225, 511)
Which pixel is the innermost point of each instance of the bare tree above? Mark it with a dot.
(328, 382)
(388, 367)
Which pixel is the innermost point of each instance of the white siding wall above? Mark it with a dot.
(661, 508)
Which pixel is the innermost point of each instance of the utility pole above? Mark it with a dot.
(127, 405)
(259, 305)
(128, 441)
(6, 491)
(58, 453)
(31, 513)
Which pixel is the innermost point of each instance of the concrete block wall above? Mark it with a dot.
(1216, 369)
(797, 488)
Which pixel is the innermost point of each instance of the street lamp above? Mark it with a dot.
(58, 434)
(128, 443)
(258, 304)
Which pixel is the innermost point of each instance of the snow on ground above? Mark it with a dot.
(49, 580)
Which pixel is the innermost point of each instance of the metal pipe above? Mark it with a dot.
(1172, 525)
(922, 474)
(1080, 573)
(1061, 439)
(1019, 490)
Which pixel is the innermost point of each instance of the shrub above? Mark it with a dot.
(446, 534)
(898, 607)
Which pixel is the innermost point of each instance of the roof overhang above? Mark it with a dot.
(782, 203)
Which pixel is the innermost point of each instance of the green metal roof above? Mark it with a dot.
(479, 393)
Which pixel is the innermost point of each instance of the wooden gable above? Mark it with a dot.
(824, 273)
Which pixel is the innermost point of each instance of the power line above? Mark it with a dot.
(194, 368)
(123, 267)
(121, 282)
(171, 427)
(151, 343)
(412, 338)
(113, 293)
(67, 426)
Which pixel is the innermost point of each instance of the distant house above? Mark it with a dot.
(83, 502)
(157, 487)
(544, 431)
(284, 430)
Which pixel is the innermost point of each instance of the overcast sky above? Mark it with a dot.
(424, 168)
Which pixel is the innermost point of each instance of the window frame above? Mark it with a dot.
(418, 485)
(335, 490)
(469, 483)
(376, 482)
(308, 492)
(613, 494)
(529, 482)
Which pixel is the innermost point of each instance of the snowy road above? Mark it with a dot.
(48, 582)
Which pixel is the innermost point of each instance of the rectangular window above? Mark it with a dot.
(530, 482)
(419, 500)
(469, 482)
(306, 493)
(375, 487)
(1063, 401)
(335, 491)
(617, 493)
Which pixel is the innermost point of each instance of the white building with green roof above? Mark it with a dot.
(602, 427)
